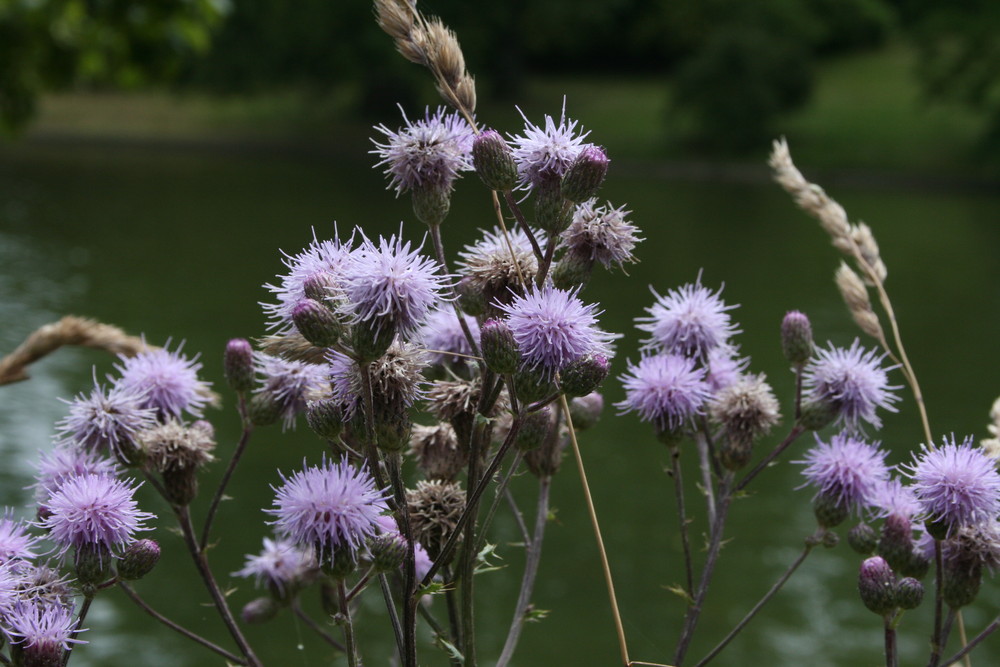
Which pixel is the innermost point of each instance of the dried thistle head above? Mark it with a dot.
(293, 347)
(437, 451)
(175, 446)
(435, 508)
(746, 409)
(855, 294)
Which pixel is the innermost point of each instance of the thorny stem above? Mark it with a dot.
(532, 558)
(974, 642)
(220, 492)
(315, 627)
(810, 543)
(201, 562)
(132, 595)
(715, 543)
(499, 493)
(796, 431)
(438, 631)
(592, 513)
(467, 563)
(345, 612)
(675, 471)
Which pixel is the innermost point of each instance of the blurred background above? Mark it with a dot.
(158, 155)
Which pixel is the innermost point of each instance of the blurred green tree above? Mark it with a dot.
(54, 44)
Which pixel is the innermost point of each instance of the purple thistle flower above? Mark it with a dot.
(166, 381)
(290, 383)
(892, 498)
(690, 320)
(549, 152)
(280, 566)
(15, 542)
(553, 328)
(665, 389)
(390, 284)
(321, 262)
(851, 381)
(724, 367)
(62, 462)
(93, 510)
(107, 420)
(847, 470)
(601, 234)
(441, 333)
(328, 507)
(426, 153)
(956, 485)
(11, 587)
(42, 630)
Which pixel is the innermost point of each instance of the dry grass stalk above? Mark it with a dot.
(865, 240)
(293, 347)
(855, 295)
(70, 330)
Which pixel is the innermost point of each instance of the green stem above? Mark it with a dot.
(220, 492)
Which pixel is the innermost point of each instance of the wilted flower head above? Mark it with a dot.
(437, 451)
(107, 421)
(391, 285)
(847, 470)
(289, 382)
(690, 320)
(280, 566)
(747, 408)
(441, 333)
(553, 327)
(328, 507)
(165, 381)
(601, 234)
(322, 262)
(426, 153)
(546, 152)
(494, 270)
(43, 631)
(93, 510)
(956, 484)
(665, 389)
(435, 507)
(15, 542)
(176, 446)
(396, 376)
(852, 382)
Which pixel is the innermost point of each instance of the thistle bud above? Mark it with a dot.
(586, 410)
(371, 339)
(499, 347)
(585, 175)
(325, 417)
(318, 287)
(259, 611)
(316, 323)
(796, 338)
(895, 544)
(917, 566)
(470, 297)
(264, 408)
(138, 560)
(584, 375)
(909, 593)
(535, 428)
(92, 563)
(816, 415)
(431, 203)
(388, 551)
(830, 510)
(862, 539)
(494, 161)
(531, 386)
(551, 210)
(877, 586)
(238, 364)
(572, 270)
(962, 578)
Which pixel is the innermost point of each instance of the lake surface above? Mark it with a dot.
(175, 241)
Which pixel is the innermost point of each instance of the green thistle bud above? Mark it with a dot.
(431, 204)
(909, 593)
(531, 386)
(371, 339)
(895, 544)
(817, 415)
(92, 563)
(962, 578)
(551, 210)
(499, 347)
(259, 611)
(264, 409)
(535, 428)
(586, 410)
(238, 364)
(325, 417)
(494, 161)
(862, 539)
(796, 338)
(830, 511)
(388, 551)
(584, 375)
(572, 270)
(138, 560)
(470, 297)
(317, 323)
(585, 175)
(877, 586)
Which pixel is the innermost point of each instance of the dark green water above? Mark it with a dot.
(176, 242)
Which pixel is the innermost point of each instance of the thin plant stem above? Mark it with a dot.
(796, 431)
(705, 465)
(518, 516)
(443, 261)
(499, 493)
(390, 605)
(974, 642)
(454, 621)
(439, 631)
(220, 492)
(532, 558)
(316, 627)
(4, 660)
(962, 636)
(543, 266)
(715, 544)
(371, 446)
(760, 604)
(132, 595)
(409, 577)
(592, 513)
(891, 657)
(345, 612)
(515, 209)
(936, 643)
(362, 583)
(80, 617)
(467, 563)
(675, 471)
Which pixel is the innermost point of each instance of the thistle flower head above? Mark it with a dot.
(846, 470)
(442, 333)
(16, 543)
(93, 510)
(166, 381)
(724, 367)
(892, 498)
(956, 484)
(747, 408)
(435, 508)
(665, 389)
(601, 234)
(329, 507)
(388, 284)
(43, 631)
(690, 320)
(397, 378)
(176, 446)
(852, 381)
(65, 461)
(280, 566)
(426, 153)
(106, 421)
(544, 152)
(322, 263)
(291, 383)
(553, 327)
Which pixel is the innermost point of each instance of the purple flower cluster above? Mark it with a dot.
(282, 566)
(546, 152)
(691, 320)
(852, 382)
(165, 381)
(847, 470)
(665, 389)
